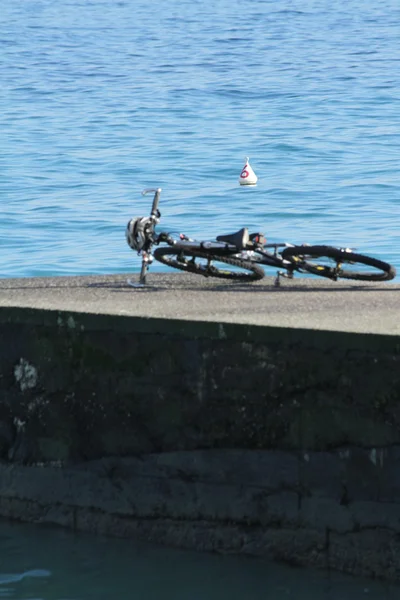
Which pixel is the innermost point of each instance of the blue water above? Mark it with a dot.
(48, 564)
(101, 98)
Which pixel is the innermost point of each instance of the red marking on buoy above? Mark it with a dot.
(247, 176)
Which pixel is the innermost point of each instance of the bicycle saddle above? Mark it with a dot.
(240, 239)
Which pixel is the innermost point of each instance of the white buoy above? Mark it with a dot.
(247, 176)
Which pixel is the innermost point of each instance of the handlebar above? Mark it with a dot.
(154, 209)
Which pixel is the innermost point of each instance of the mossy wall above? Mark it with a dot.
(277, 442)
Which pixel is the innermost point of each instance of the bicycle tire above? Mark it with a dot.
(184, 260)
(301, 256)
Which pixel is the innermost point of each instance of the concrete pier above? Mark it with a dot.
(299, 303)
(221, 417)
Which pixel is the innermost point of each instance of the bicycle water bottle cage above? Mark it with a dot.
(240, 239)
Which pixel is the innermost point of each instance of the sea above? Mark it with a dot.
(39, 563)
(100, 99)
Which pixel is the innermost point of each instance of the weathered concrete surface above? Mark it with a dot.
(309, 303)
(122, 411)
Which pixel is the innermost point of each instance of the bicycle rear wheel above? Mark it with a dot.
(335, 263)
(207, 265)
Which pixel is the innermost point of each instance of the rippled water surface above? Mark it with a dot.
(101, 98)
(50, 564)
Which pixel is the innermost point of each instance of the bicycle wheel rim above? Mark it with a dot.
(208, 265)
(337, 263)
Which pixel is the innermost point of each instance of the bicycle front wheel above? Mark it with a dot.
(335, 263)
(209, 265)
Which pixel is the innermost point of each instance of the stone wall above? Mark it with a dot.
(282, 443)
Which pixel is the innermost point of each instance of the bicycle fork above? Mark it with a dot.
(147, 259)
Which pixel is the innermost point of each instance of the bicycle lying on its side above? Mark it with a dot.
(242, 256)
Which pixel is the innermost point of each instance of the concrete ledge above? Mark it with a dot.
(314, 304)
(221, 435)
(76, 321)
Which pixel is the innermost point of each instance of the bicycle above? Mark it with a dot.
(245, 255)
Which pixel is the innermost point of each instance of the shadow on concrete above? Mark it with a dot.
(192, 283)
(234, 288)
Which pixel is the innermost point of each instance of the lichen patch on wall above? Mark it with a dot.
(26, 375)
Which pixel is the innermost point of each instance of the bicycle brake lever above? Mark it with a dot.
(148, 190)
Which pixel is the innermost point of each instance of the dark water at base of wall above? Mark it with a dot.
(52, 564)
